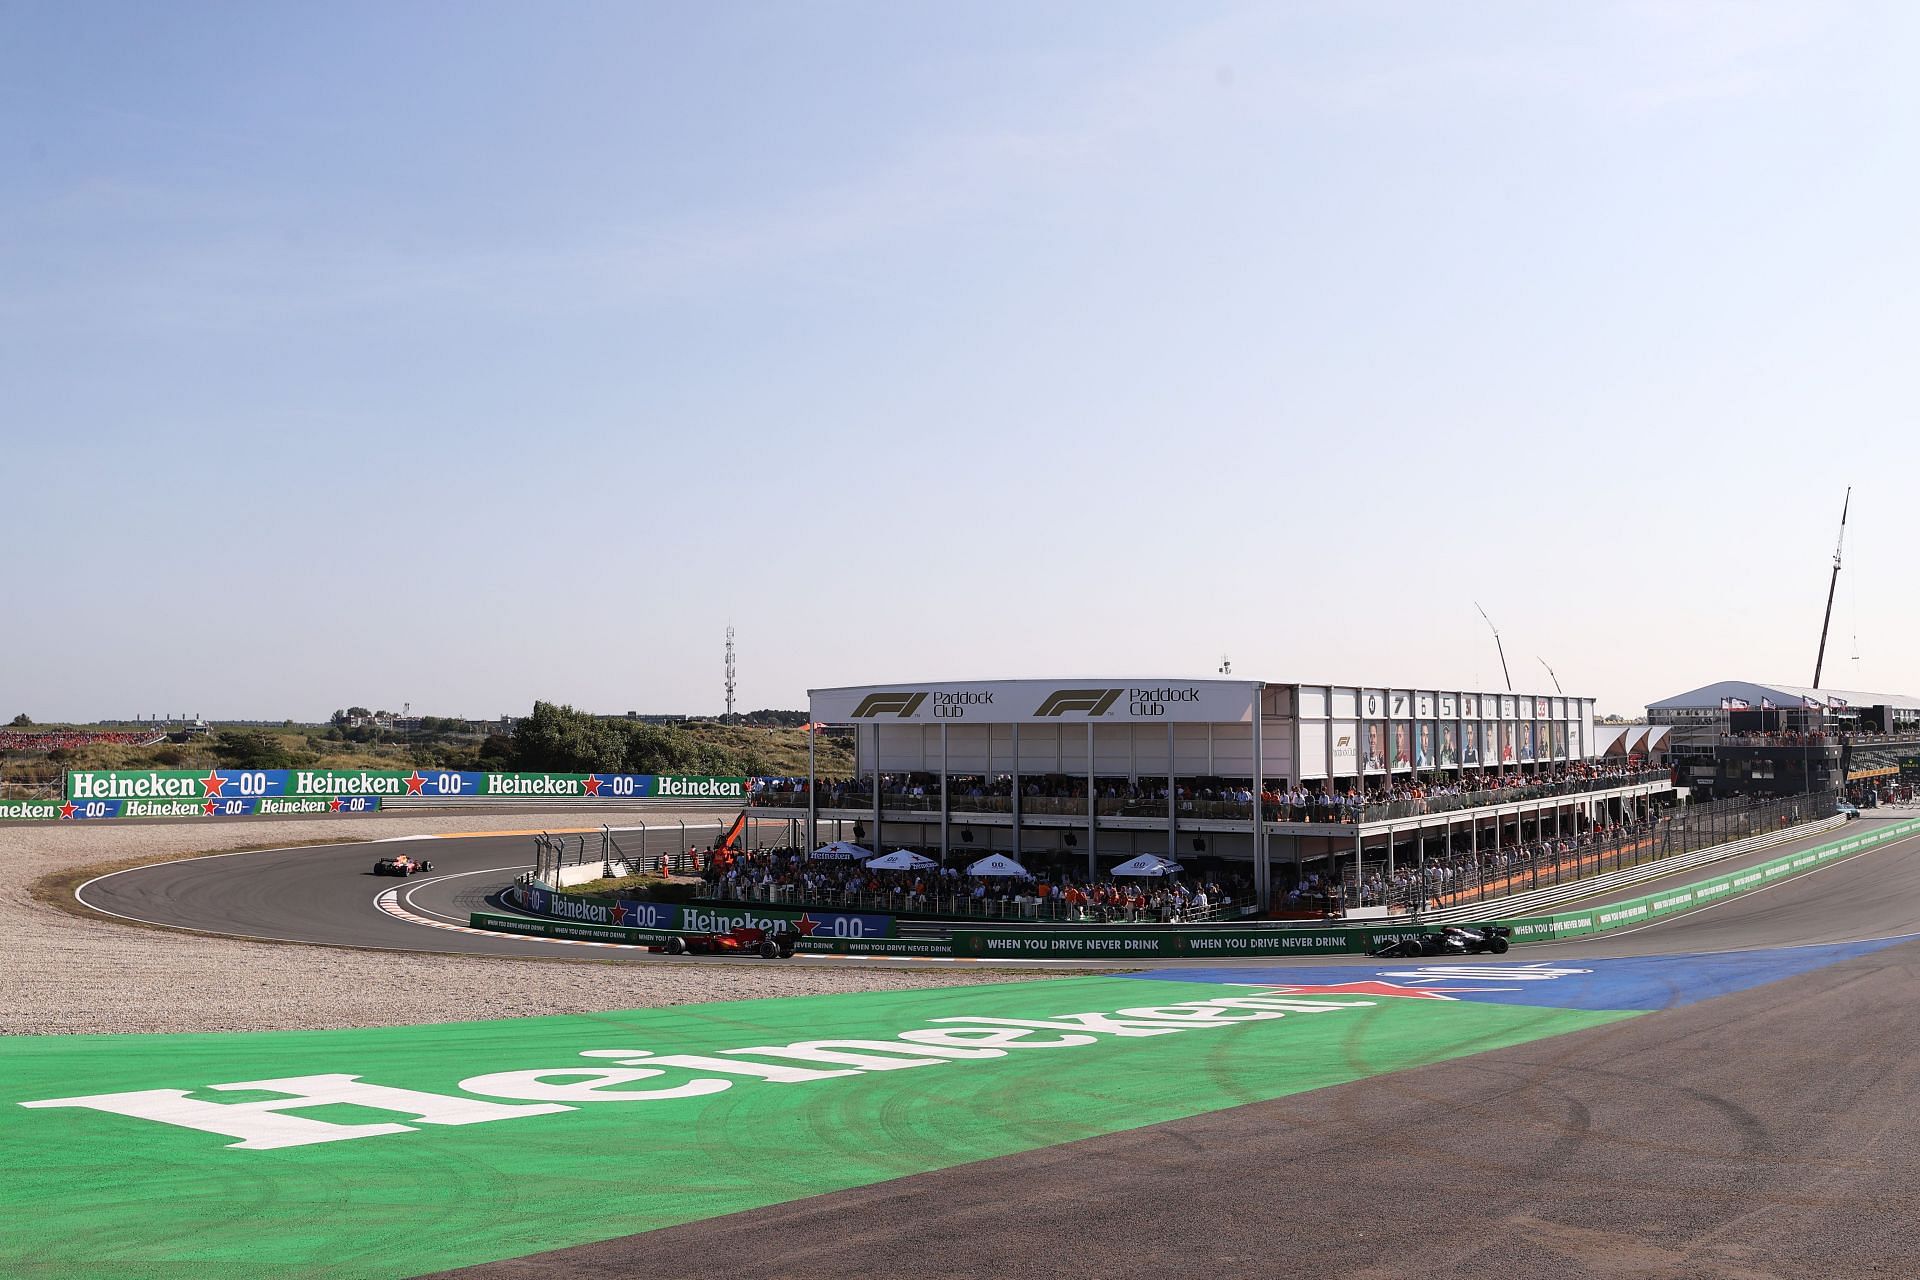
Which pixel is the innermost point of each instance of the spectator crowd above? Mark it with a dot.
(69, 739)
(1463, 872)
(1053, 893)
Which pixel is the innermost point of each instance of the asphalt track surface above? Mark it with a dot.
(326, 894)
(1762, 1135)
(1755, 1136)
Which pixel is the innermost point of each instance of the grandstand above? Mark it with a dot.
(1745, 737)
(1101, 770)
(24, 740)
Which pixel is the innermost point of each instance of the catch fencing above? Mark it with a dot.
(618, 852)
(1488, 876)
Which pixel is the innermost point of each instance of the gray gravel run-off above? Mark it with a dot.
(62, 974)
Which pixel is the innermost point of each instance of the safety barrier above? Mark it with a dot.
(1688, 897)
(527, 926)
(542, 899)
(227, 793)
(1151, 942)
(1536, 899)
(190, 784)
(217, 806)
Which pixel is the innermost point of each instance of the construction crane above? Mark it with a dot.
(1556, 679)
(1821, 661)
(1500, 648)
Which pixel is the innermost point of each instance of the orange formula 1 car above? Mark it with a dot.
(401, 864)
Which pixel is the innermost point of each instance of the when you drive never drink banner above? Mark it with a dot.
(176, 793)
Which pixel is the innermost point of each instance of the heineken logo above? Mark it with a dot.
(314, 804)
(567, 908)
(153, 784)
(641, 1076)
(167, 809)
(533, 784)
(700, 788)
(363, 783)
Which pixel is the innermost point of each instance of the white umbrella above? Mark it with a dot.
(1147, 864)
(998, 864)
(840, 851)
(901, 860)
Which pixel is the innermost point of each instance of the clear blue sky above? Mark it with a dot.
(468, 354)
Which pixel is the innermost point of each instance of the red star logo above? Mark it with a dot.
(334, 804)
(618, 915)
(212, 807)
(1367, 988)
(415, 783)
(67, 810)
(592, 784)
(805, 925)
(212, 783)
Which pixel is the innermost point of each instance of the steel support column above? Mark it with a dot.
(1173, 803)
(1093, 802)
(1016, 792)
(1260, 886)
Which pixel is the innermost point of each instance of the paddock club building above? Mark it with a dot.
(1112, 768)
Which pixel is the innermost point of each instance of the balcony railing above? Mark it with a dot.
(1796, 741)
(1328, 809)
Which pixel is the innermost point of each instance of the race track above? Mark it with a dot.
(1766, 1134)
(326, 894)
(1723, 1095)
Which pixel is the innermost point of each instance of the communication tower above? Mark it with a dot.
(730, 681)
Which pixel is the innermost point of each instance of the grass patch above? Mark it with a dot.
(654, 888)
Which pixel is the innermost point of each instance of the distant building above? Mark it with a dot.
(1242, 771)
(1739, 736)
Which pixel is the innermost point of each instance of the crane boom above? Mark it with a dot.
(1498, 647)
(1820, 661)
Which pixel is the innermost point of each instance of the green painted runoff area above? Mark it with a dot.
(89, 1192)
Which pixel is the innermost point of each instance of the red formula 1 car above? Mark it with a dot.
(401, 864)
(741, 940)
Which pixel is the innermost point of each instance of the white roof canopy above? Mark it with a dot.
(1147, 864)
(841, 851)
(901, 860)
(998, 864)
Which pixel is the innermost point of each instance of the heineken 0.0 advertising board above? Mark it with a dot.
(695, 917)
(217, 807)
(222, 793)
(251, 784)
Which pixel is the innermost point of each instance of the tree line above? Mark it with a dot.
(558, 739)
